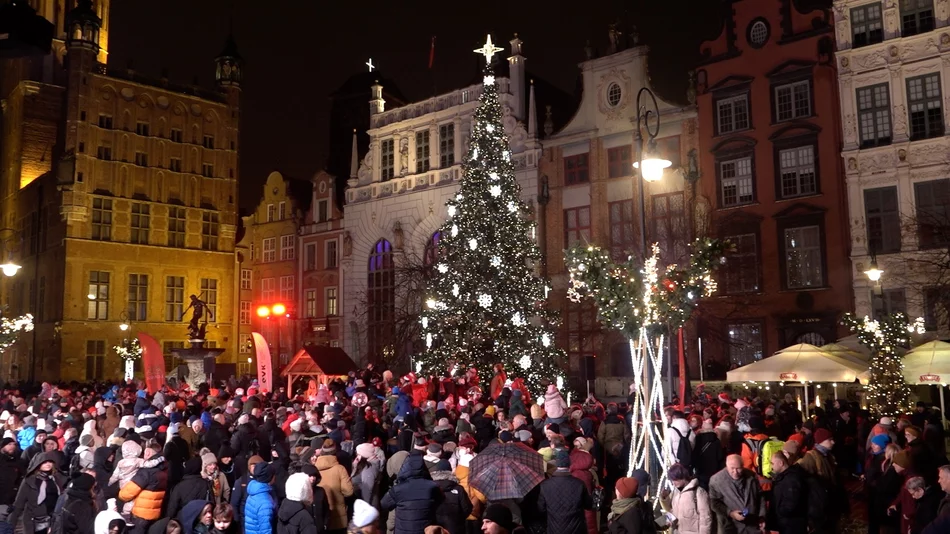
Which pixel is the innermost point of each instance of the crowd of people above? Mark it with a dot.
(378, 453)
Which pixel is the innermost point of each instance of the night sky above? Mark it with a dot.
(299, 51)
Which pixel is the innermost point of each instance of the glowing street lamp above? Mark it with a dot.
(263, 311)
(9, 268)
(873, 272)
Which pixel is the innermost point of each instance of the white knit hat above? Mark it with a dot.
(296, 425)
(298, 488)
(363, 513)
(127, 422)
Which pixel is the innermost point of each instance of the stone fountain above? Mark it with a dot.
(197, 355)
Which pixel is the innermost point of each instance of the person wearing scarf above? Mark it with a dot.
(36, 498)
(625, 511)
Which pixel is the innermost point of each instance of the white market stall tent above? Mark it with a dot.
(929, 364)
(800, 363)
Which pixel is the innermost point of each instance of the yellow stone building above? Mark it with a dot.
(119, 194)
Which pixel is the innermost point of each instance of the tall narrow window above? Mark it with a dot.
(622, 240)
(209, 231)
(207, 170)
(446, 145)
(331, 301)
(281, 210)
(619, 162)
(246, 279)
(176, 227)
(577, 226)
(797, 171)
(925, 106)
(271, 212)
(735, 182)
(310, 257)
(287, 288)
(874, 115)
(208, 141)
(323, 211)
(138, 297)
(330, 254)
(41, 301)
(932, 199)
(175, 135)
(866, 25)
(95, 359)
(140, 223)
(98, 296)
(269, 248)
(741, 272)
(422, 151)
(669, 226)
(883, 220)
(102, 219)
(732, 114)
(310, 303)
(380, 299)
(581, 323)
(935, 307)
(387, 156)
(105, 121)
(575, 169)
(245, 312)
(174, 298)
(803, 263)
(917, 16)
(209, 294)
(287, 247)
(174, 164)
(141, 159)
(104, 152)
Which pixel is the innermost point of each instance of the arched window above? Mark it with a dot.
(431, 252)
(380, 299)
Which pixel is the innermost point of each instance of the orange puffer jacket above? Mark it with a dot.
(146, 490)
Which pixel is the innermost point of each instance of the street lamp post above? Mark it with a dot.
(649, 169)
(126, 326)
(8, 267)
(278, 311)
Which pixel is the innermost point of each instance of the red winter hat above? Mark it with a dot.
(627, 487)
(822, 434)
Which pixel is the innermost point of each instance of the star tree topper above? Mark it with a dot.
(488, 50)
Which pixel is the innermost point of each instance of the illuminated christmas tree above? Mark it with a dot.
(887, 391)
(486, 301)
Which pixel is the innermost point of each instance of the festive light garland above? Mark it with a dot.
(10, 328)
(886, 339)
(634, 301)
(485, 302)
(129, 354)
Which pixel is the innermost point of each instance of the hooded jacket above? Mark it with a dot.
(554, 404)
(455, 506)
(294, 517)
(190, 515)
(260, 508)
(78, 515)
(30, 503)
(680, 430)
(192, 487)
(335, 480)
(11, 473)
(147, 489)
(415, 497)
(690, 505)
(111, 422)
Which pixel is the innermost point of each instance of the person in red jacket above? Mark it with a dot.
(498, 382)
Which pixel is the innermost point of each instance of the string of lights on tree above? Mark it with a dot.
(10, 328)
(486, 300)
(129, 353)
(886, 339)
(645, 306)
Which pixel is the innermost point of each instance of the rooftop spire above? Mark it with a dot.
(532, 114)
(354, 158)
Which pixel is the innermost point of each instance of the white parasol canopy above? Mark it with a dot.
(929, 364)
(802, 362)
(846, 352)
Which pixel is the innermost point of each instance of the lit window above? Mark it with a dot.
(735, 182)
(803, 263)
(98, 305)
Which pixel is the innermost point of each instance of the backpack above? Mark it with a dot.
(762, 451)
(684, 449)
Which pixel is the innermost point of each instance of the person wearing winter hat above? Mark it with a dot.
(433, 455)
(820, 462)
(294, 515)
(367, 468)
(218, 481)
(456, 504)
(364, 518)
(11, 471)
(261, 506)
(498, 520)
(564, 498)
(193, 486)
(79, 511)
(625, 511)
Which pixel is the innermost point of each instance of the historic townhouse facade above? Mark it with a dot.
(395, 203)
(590, 195)
(121, 194)
(893, 63)
(773, 180)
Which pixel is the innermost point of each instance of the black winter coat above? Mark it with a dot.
(456, 505)
(191, 488)
(789, 511)
(79, 513)
(415, 497)
(11, 474)
(25, 507)
(708, 457)
(320, 509)
(926, 510)
(564, 499)
(293, 517)
(216, 436)
(629, 522)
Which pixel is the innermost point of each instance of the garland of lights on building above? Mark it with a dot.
(886, 339)
(10, 328)
(645, 307)
(486, 300)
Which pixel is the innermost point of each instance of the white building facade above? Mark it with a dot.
(395, 201)
(893, 61)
